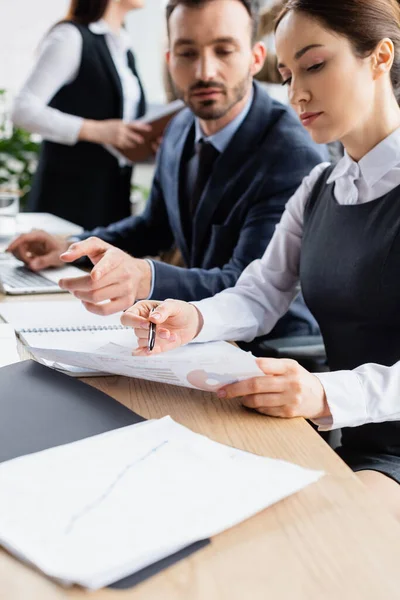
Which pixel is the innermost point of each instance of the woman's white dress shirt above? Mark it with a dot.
(263, 293)
(58, 65)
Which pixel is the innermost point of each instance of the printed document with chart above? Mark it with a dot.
(66, 336)
(100, 509)
(206, 366)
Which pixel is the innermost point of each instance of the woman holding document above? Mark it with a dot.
(83, 97)
(339, 237)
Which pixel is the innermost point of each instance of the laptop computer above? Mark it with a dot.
(17, 279)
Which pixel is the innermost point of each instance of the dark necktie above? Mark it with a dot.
(206, 156)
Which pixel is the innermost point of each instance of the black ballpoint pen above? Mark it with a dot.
(152, 335)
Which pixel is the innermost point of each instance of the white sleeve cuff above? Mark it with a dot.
(69, 129)
(209, 331)
(346, 400)
(59, 127)
(122, 160)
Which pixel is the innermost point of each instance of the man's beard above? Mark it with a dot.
(209, 110)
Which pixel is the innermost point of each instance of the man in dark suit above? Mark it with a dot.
(225, 170)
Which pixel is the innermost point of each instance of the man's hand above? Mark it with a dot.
(177, 323)
(38, 249)
(116, 277)
(286, 390)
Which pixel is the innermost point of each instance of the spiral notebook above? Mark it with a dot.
(66, 325)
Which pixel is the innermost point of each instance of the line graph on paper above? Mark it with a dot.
(109, 490)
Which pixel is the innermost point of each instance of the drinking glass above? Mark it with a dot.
(9, 208)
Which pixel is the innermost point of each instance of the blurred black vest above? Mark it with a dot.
(83, 183)
(96, 93)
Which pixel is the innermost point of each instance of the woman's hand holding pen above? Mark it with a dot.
(286, 390)
(177, 323)
(114, 132)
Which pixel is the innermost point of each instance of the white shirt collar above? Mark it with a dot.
(221, 139)
(374, 165)
(101, 27)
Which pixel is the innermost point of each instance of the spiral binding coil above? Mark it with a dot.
(71, 329)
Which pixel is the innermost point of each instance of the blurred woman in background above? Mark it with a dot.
(83, 97)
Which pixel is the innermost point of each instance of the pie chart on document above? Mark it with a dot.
(209, 382)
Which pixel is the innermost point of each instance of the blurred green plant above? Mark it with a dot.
(18, 155)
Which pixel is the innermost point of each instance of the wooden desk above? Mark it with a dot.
(329, 541)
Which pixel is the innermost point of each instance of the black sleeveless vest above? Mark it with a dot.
(349, 273)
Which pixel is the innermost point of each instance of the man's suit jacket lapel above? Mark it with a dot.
(176, 190)
(109, 64)
(222, 181)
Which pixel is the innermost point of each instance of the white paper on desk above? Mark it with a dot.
(66, 325)
(8, 346)
(47, 314)
(89, 341)
(47, 222)
(206, 366)
(84, 341)
(97, 510)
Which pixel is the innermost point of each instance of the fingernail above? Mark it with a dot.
(163, 335)
(221, 394)
(61, 283)
(156, 316)
(96, 275)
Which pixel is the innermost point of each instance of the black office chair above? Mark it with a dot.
(308, 350)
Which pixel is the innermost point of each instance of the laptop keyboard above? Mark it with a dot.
(21, 277)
